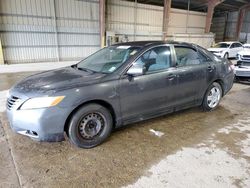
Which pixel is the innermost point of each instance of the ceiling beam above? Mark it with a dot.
(242, 1)
(229, 6)
(246, 6)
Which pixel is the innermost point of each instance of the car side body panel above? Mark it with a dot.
(132, 98)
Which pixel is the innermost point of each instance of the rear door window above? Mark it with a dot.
(187, 56)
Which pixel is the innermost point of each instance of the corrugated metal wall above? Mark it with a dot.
(225, 28)
(230, 33)
(137, 21)
(245, 31)
(218, 27)
(246, 23)
(183, 21)
(48, 30)
(144, 22)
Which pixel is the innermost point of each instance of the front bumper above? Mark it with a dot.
(45, 124)
(242, 72)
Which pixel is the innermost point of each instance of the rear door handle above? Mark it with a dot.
(171, 76)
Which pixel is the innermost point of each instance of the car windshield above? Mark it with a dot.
(221, 45)
(108, 59)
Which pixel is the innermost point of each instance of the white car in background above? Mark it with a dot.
(242, 69)
(226, 49)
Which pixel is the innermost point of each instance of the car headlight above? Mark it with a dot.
(221, 51)
(7, 94)
(238, 56)
(41, 102)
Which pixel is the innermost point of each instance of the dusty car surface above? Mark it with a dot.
(226, 49)
(115, 86)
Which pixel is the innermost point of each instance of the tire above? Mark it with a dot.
(90, 126)
(226, 55)
(236, 79)
(212, 97)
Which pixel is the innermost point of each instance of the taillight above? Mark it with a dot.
(232, 67)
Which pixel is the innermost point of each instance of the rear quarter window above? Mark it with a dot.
(209, 55)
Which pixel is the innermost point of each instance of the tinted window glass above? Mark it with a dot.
(108, 59)
(211, 56)
(203, 57)
(238, 45)
(186, 56)
(156, 59)
(233, 45)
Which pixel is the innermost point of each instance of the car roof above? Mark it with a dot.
(150, 43)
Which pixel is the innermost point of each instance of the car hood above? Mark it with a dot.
(216, 49)
(56, 80)
(244, 52)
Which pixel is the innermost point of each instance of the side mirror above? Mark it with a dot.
(136, 70)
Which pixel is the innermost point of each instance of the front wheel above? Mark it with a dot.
(212, 97)
(90, 126)
(226, 56)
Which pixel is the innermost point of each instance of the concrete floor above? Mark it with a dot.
(197, 149)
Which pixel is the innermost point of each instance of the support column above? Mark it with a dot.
(241, 15)
(240, 22)
(210, 11)
(1, 53)
(56, 31)
(102, 22)
(225, 27)
(166, 16)
(135, 19)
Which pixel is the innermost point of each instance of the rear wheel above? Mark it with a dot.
(90, 126)
(212, 97)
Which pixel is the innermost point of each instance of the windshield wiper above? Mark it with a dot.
(86, 70)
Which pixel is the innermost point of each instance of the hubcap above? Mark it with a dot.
(213, 97)
(91, 125)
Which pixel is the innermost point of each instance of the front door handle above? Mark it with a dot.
(171, 76)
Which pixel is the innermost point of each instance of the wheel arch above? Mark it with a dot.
(96, 101)
(220, 81)
(228, 55)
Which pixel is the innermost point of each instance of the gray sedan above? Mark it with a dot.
(115, 86)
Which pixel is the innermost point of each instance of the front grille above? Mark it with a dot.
(242, 73)
(11, 101)
(246, 56)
